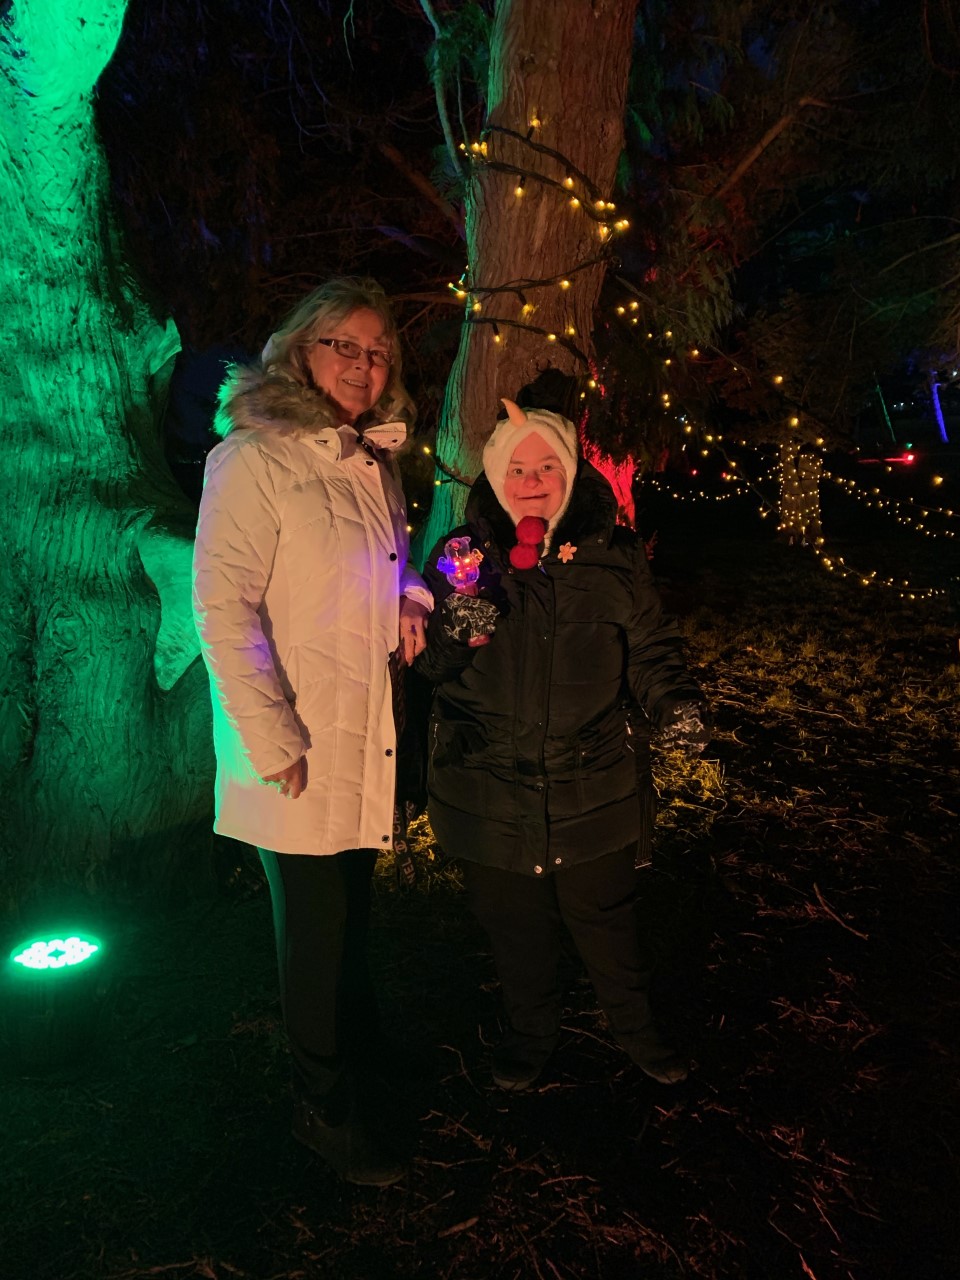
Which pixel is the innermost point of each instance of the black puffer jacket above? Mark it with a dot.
(532, 763)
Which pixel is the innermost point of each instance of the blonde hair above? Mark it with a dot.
(323, 310)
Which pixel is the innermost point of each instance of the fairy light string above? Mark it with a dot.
(837, 565)
(895, 508)
(584, 197)
(581, 195)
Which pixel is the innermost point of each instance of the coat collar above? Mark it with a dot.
(254, 397)
(380, 439)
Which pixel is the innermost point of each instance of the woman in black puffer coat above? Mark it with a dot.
(547, 683)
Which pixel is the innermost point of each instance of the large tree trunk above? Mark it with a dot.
(558, 72)
(104, 737)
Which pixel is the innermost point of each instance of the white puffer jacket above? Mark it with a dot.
(300, 562)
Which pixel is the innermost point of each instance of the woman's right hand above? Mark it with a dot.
(289, 781)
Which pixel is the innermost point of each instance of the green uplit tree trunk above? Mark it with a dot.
(558, 74)
(104, 739)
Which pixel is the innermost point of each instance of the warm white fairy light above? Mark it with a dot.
(906, 591)
(896, 509)
(733, 490)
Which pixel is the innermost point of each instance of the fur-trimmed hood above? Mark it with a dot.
(252, 396)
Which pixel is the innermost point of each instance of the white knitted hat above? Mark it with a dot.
(516, 427)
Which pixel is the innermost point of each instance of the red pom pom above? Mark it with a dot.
(531, 530)
(523, 555)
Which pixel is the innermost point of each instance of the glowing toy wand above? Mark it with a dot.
(460, 565)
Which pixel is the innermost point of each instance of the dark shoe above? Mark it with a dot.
(669, 1070)
(513, 1075)
(659, 1061)
(349, 1148)
(518, 1060)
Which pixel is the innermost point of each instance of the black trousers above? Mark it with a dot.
(524, 916)
(321, 912)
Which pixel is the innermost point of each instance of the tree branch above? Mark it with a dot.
(768, 138)
(437, 79)
(937, 244)
(423, 185)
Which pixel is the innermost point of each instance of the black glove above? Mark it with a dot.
(467, 618)
(688, 728)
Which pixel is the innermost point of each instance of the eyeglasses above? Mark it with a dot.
(353, 351)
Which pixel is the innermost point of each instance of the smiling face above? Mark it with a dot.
(353, 385)
(535, 483)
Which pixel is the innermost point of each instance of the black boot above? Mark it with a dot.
(347, 1144)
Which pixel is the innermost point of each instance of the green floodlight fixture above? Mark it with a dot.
(48, 954)
(56, 992)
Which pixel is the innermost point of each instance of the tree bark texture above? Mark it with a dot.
(558, 73)
(105, 752)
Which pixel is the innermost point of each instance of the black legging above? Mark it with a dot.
(321, 911)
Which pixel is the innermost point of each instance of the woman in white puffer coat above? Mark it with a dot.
(302, 590)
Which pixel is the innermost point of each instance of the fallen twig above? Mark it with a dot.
(833, 916)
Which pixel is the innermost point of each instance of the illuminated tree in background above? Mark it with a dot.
(537, 221)
(104, 748)
(772, 178)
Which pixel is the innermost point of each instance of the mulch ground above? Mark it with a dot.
(803, 910)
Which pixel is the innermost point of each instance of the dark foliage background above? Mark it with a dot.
(791, 173)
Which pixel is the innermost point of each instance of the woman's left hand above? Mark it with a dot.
(413, 628)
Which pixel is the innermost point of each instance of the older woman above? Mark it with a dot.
(302, 591)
